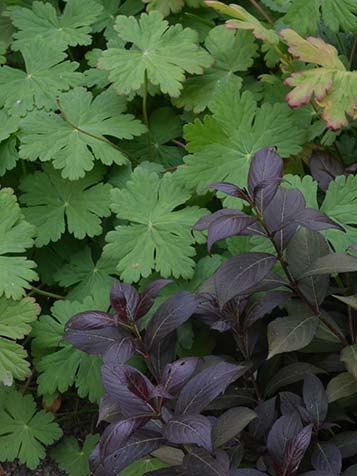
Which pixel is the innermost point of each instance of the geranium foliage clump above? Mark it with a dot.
(178, 237)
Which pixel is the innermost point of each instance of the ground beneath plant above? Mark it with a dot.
(46, 468)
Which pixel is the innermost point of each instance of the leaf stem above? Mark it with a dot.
(146, 117)
(262, 12)
(341, 45)
(94, 136)
(294, 284)
(35, 290)
(354, 46)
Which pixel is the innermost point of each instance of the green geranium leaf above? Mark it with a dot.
(223, 144)
(73, 458)
(55, 204)
(76, 139)
(23, 431)
(15, 237)
(8, 150)
(46, 75)
(86, 277)
(15, 323)
(80, 369)
(159, 237)
(233, 51)
(161, 52)
(70, 28)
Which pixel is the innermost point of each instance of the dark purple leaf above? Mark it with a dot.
(147, 297)
(351, 471)
(266, 414)
(99, 341)
(318, 473)
(247, 472)
(230, 189)
(199, 462)
(265, 305)
(95, 464)
(315, 220)
(206, 386)
(170, 315)
(129, 387)
(177, 374)
(231, 423)
(315, 399)
(142, 443)
(124, 299)
(90, 320)
(327, 457)
(109, 409)
(162, 354)
(346, 442)
(240, 273)
(227, 226)
(117, 434)
(285, 429)
(302, 250)
(289, 402)
(296, 450)
(351, 169)
(324, 169)
(265, 174)
(204, 222)
(331, 263)
(290, 374)
(120, 351)
(173, 471)
(279, 215)
(189, 429)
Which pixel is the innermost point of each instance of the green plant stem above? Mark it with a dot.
(350, 312)
(146, 117)
(294, 285)
(94, 136)
(341, 45)
(35, 290)
(262, 11)
(354, 46)
(23, 167)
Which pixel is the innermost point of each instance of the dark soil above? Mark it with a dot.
(46, 468)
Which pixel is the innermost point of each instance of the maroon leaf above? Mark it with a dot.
(170, 315)
(279, 215)
(142, 443)
(162, 354)
(247, 472)
(172, 471)
(289, 402)
(129, 387)
(228, 226)
(204, 222)
(189, 429)
(351, 169)
(296, 450)
(176, 375)
(206, 386)
(266, 415)
(265, 174)
(265, 305)
(240, 273)
(117, 434)
(147, 297)
(285, 429)
(315, 399)
(120, 351)
(109, 409)
(327, 457)
(315, 220)
(124, 299)
(199, 462)
(230, 189)
(90, 320)
(99, 341)
(324, 169)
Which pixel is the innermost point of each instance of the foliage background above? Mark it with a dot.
(114, 121)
